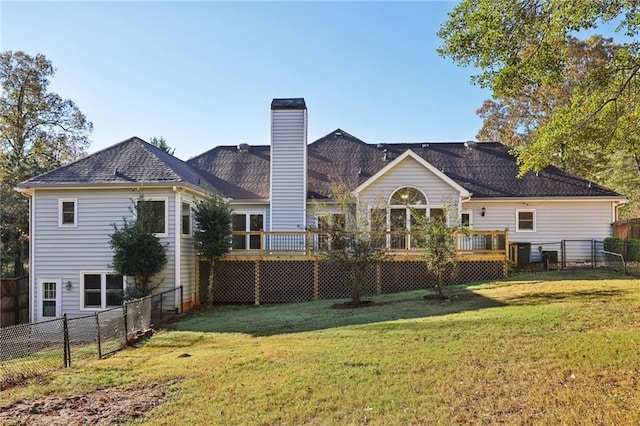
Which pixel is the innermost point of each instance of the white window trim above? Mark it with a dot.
(166, 213)
(190, 233)
(247, 226)
(103, 289)
(58, 283)
(518, 211)
(470, 213)
(75, 213)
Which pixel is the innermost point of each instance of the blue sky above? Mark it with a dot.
(203, 74)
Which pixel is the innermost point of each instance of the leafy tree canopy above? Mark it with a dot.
(524, 48)
(137, 252)
(212, 235)
(39, 131)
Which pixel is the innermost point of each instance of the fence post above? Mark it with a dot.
(124, 317)
(66, 346)
(563, 253)
(98, 336)
(181, 299)
(593, 254)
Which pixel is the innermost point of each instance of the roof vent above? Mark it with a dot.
(243, 147)
(338, 133)
(425, 145)
(380, 145)
(470, 144)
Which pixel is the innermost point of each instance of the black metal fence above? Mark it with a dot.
(27, 350)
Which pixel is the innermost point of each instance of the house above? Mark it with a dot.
(274, 190)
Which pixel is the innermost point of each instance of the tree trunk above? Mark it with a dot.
(439, 283)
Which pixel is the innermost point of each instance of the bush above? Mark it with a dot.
(614, 245)
(633, 250)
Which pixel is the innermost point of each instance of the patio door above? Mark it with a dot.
(49, 298)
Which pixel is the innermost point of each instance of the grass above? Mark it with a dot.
(552, 348)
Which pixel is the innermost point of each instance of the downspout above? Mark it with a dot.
(177, 235)
(30, 195)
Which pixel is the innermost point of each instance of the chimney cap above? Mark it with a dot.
(288, 103)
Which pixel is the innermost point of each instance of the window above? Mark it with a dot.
(67, 212)
(101, 290)
(251, 225)
(156, 214)
(408, 196)
(49, 296)
(186, 219)
(466, 219)
(525, 220)
(331, 228)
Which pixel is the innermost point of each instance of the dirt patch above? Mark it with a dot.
(351, 305)
(111, 406)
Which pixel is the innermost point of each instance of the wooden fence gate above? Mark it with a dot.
(14, 301)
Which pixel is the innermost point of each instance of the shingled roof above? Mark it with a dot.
(132, 161)
(486, 170)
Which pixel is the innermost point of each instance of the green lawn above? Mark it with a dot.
(554, 348)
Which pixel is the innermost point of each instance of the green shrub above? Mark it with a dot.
(633, 249)
(614, 245)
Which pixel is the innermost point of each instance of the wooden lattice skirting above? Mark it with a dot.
(280, 281)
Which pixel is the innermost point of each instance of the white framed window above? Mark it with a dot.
(49, 291)
(67, 212)
(159, 207)
(186, 219)
(466, 218)
(101, 290)
(525, 220)
(251, 225)
(327, 224)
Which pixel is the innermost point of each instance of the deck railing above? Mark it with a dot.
(472, 244)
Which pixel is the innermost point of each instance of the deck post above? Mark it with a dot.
(257, 283)
(316, 279)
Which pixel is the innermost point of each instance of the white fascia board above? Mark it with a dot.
(409, 153)
(559, 199)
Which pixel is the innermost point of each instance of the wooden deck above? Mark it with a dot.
(293, 245)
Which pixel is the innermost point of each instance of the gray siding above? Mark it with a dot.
(409, 173)
(555, 221)
(187, 255)
(288, 169)
(63, 253)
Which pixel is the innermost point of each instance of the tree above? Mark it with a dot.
(523, 47)
(514, 120)
(213, 238)
(39, 131)
(137, 252)
(352, 241)
(437, 239)
(161, 143)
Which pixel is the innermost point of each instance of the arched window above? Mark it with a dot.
(407, 210)
(408, 196)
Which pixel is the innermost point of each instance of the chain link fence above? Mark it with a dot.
(28, 350)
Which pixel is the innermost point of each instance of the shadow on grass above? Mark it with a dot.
(587, 274)
(277, 319)
(268, 320)
(549, 297)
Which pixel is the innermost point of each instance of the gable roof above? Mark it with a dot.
(410, 154)
(132, 161)
(487, 170)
